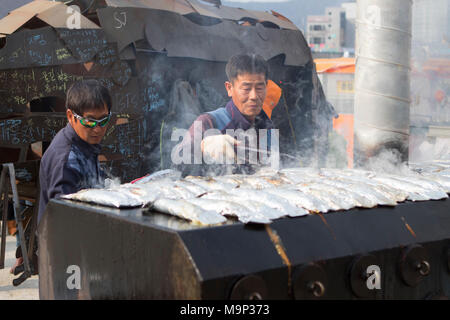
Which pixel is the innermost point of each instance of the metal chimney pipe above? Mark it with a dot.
(382, 77)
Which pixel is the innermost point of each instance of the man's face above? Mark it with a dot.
(248, 92)
(90, 135)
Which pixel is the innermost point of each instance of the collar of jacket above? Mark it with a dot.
(87, 148)
(238, 121)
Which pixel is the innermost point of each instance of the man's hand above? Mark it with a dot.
(219, 149)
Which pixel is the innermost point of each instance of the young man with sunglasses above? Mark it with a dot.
(71, 161)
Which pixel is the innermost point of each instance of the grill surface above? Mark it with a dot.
(131, 254)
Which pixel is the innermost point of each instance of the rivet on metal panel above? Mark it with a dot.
(250, 287)
(310, 282)
(316, 288)
(414, 265)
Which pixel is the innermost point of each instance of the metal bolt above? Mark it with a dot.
(317, 288)
(423, 267)
(254, 296)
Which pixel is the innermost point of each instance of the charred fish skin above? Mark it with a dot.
(183, 209)
(228, 208)
(416, 192)
(233, 180)
(367, 200)
(434, 188)
(257, 212)
(193, 188)
(329, 199)
(271, 200)
(301, 200)
(344, 201)
(387, 196)
(262, 182)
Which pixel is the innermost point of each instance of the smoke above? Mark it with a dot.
(387, 161)
(430, 81)
(112, 183)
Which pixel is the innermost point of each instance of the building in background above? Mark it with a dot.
(337, 77)
(430, 76)
(332, 34)
(431, 23)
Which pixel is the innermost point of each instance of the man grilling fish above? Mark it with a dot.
(238, 134)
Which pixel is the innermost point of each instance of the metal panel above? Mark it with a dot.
(180, 37)
(178, 6)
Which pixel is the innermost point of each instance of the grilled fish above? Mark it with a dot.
(386, 196)
(344, 199)
(229, 208)
(184, 209)
(110, 198)
(300, 199)
(366, 199)
(257, 209)
(415, 192)
(163, 174)
(193, 188)
(270, 200)
(444, 181)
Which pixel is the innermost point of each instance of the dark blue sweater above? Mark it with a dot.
(68, 165)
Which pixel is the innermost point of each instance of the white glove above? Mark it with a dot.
(219, 149)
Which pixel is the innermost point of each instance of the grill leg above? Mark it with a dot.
(18, 215)
(4, 192)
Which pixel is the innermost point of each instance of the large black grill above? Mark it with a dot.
(134, 254)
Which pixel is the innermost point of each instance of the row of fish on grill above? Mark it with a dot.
(272, 194)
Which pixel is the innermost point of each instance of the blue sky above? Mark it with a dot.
(295, 10)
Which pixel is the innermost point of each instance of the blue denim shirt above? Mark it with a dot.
(67, 166)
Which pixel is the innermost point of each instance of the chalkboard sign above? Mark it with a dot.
(26, 130)
(107, 56)
(34, 48)
(125, 139)
(40, 47)
(20, 86)
(13, 54)
(84, 44)
(153, 89)
(121, 73)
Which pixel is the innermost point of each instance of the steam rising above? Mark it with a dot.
(430, 84)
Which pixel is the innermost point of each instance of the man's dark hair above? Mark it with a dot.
(246, 63)
(86, 95)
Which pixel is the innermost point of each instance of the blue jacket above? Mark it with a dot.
(68, 165)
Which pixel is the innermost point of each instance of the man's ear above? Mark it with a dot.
(229, 87)
(70, 116)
